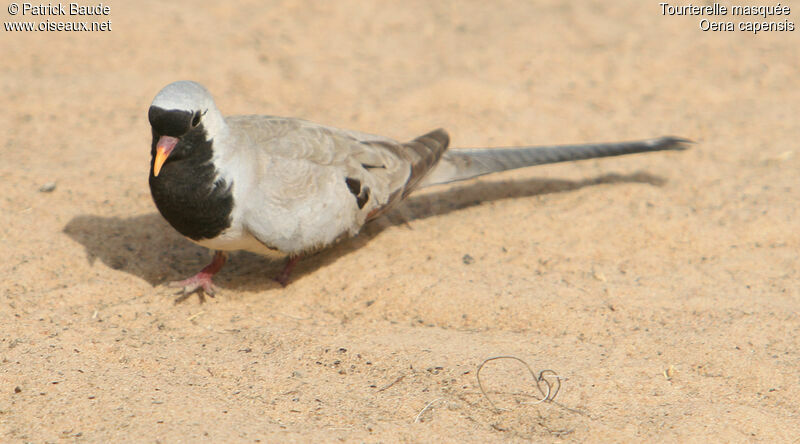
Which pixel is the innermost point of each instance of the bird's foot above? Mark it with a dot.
(199, 281)
(202, 280)
(283, 277)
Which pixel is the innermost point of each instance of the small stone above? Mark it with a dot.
(48, 187)
(467, 259)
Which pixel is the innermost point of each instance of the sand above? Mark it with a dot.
(662, 288)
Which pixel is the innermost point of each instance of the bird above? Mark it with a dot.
(287, 187)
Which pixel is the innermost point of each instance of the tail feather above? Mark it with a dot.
(423, 154)
(462, 164)
(428, 149)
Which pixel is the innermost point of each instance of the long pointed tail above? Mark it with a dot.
(462, 164)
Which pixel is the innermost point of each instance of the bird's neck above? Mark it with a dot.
(190, 193)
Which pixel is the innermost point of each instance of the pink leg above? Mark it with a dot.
(203, 278)
(283, 276)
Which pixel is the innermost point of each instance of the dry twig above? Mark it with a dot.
(548, 395)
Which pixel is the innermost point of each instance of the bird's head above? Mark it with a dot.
(182, 111)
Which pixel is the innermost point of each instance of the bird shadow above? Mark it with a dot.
(147, 247)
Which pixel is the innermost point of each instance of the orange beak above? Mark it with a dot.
(164, 147)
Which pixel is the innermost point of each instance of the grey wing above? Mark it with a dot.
(380, 173)
(420, 156)
(320, 183)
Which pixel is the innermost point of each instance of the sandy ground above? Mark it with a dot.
(664, 287)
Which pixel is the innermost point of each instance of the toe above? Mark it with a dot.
(210, 289)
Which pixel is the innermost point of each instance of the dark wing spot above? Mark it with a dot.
(362, 198)
(361, 194)
(354, 185)
(371, 167)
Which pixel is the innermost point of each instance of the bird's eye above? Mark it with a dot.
(196, 119)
